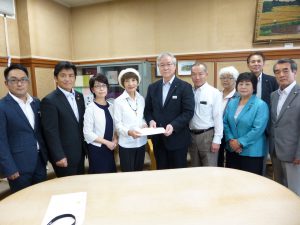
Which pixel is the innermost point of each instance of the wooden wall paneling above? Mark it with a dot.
(215, 74)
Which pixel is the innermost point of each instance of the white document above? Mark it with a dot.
(73, 203)
(151, 131)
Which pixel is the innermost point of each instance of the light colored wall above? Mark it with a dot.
(49, 27)
(13, 37)
(44, 81)
(133, 27)
(23, 28)
(42, 28)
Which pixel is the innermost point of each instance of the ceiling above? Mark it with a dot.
(75, 3)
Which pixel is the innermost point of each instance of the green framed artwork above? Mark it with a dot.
(277, 20)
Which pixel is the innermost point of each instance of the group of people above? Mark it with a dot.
(236, 127)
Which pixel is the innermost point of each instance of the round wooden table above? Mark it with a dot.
(206, 195)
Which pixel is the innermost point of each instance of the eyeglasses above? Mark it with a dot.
(15, 81)
(99, 86)
(226, 78)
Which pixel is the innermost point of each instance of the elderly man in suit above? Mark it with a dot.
(285, 124)
(62, 121)
(23, 154)
(170, 104)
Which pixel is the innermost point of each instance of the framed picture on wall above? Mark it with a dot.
(277, 20)
(184, 67)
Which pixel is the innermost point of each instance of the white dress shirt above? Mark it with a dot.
(129, 115)
(27, 110)
(208, 111)
(166, 88)
(94, 123)
(71, 99)
(283, 94)
(226, 99)
(259, 86)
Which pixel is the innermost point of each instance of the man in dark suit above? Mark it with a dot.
(23, 154)
(266, 84)
(170, 104)
(285, 125)
(62, 121)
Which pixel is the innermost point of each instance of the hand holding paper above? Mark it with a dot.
(151, 131)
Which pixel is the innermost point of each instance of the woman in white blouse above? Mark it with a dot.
(128, 117)
(98, 128)
(228, 76)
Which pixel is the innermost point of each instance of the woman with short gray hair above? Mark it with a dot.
(228, 76)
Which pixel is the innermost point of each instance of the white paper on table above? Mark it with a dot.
(151, 131)
(73, 203)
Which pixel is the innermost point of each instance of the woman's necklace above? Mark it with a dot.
(136, 106)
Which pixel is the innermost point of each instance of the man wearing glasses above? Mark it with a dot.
(170, 104)
(23, 155)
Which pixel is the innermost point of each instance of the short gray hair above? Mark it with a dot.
(229, 70)
(166, 54)
(290, 61)
(198, 63)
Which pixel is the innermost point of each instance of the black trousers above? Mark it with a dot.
(222, 154)
(166, 159)
(28, 179)
(245, 163)
(70, 170)
(132, 159)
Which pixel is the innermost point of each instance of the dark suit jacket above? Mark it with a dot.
(63, 133)
(269, 84)
(177, 111)
(18, 141)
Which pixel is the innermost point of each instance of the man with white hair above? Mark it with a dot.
(170, 104)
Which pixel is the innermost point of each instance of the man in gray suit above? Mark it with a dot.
(285, 125)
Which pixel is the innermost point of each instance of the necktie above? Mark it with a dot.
(280, 102)
(74, 106)
(258, 87)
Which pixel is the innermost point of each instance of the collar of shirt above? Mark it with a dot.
(287, 90)
(125, 95)
(20, 101)
(170, 81)
(230, 94)
(259, 77)
(67, 93)
(201, 88)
